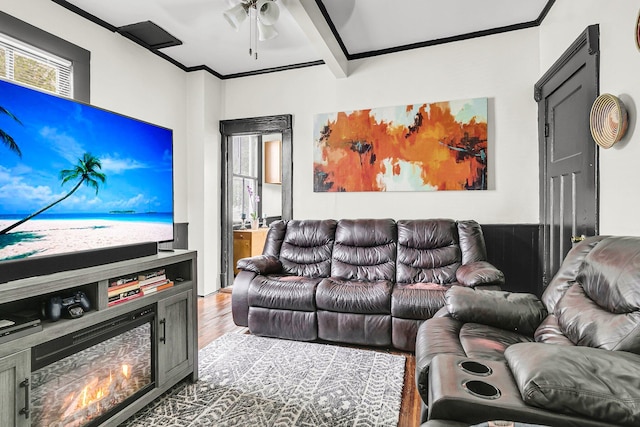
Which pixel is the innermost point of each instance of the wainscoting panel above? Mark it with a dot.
(514, 249)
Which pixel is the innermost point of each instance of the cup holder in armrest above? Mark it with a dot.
(481, 389)
(475, 368)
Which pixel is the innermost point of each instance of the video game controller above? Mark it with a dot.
(82, 299)
(73, 306)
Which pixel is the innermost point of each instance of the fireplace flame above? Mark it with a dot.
(95, 391)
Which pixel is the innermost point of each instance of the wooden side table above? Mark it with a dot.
(247, 243)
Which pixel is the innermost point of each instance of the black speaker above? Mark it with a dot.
(181, 235)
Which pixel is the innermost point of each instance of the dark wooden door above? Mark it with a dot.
(282, 124)
(568, 154)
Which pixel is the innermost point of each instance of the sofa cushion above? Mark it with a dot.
(417, 300)
(586, 323)
(348, 296)
(472, 242)
(306, 248)
(602, 308)
(549, 332)
(594, 383)
(275, 237)
(487, 342)
(283, 292)
(428, 251)
(365, 249)
(610, 275)
(568, 271)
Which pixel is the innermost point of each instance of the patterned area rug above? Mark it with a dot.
(247, 380)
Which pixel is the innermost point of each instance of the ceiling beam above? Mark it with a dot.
(310, 19)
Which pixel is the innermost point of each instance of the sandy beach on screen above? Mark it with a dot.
(49, 237)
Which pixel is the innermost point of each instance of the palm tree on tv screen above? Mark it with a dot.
(6, 138)
(86, 170)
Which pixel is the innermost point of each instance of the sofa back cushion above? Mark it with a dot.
(365, 249)
(568, 272)
(306, 247)
(471, 240)
(428, 251)
(602, 307)
(275, 237)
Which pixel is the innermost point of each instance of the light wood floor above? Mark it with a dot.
(214, 320)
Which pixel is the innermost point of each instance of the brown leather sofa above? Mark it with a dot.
(571, 358)
(360, 281)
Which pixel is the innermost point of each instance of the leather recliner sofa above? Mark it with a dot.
(571, 358)
(360, 281)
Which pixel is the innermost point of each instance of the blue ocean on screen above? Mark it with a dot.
(75, 177)
(163, 217)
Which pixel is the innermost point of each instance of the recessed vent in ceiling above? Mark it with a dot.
(149, 35)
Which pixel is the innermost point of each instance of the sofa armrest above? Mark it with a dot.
(479, 273)
(240, 297)
(443, 312)
(260, 264)
(435, 336)
(519, 312)
(591, 382)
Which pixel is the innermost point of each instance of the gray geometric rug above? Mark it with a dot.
(247, 380)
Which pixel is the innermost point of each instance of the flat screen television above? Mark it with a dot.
(79, 185)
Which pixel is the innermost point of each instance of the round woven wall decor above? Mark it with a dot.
(608, 120)
(638, 32)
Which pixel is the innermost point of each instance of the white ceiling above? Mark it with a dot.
(307, 28)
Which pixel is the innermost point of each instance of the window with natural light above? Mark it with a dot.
(34, 67)
(245, 174)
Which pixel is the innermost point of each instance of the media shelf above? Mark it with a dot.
(175, 308)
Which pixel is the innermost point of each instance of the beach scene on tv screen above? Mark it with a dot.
(75, 177)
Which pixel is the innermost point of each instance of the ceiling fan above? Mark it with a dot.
(262, 14)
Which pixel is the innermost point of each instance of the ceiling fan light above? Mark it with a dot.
(235, 16)
(268, 11)
(266, 32)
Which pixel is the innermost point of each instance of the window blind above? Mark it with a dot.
(34, 67)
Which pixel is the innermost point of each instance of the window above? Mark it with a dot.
(33, 67)
(33, 57)
(246, 171)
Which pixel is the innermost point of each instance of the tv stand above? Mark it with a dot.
(176, 308)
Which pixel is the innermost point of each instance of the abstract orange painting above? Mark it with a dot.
(421, 147)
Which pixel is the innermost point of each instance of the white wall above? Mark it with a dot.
(502, 67)
(619, 71)
(204, 93)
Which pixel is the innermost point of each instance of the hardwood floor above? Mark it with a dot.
(215, 320)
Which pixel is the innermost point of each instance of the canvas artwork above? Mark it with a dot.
(421, 147)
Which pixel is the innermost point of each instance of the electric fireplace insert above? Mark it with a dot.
(83, 378)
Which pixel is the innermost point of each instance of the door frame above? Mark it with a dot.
(584, 51)
(250, 126)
